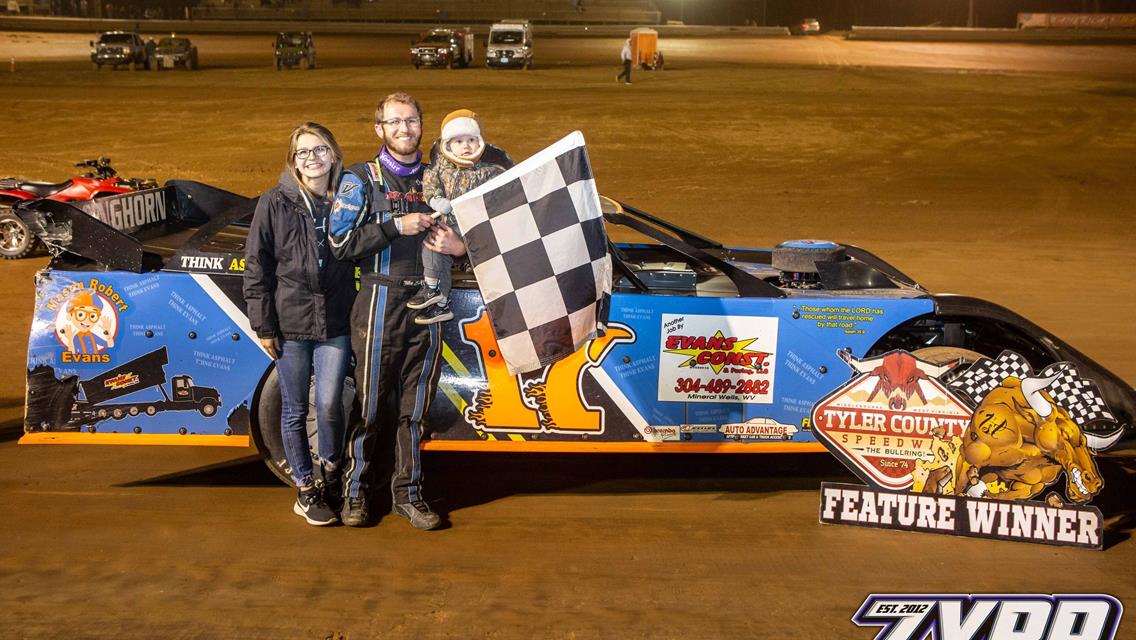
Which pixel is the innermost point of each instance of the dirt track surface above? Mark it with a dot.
(1002, 172)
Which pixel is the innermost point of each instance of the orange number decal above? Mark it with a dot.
(498, 406)
(552, 401)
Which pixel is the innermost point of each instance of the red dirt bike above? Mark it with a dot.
(99, 180)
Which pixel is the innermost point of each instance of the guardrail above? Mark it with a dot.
(87, 25)
(964, 34)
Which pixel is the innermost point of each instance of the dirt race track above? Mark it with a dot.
(999, 171)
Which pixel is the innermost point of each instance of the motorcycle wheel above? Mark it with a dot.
(16, 240)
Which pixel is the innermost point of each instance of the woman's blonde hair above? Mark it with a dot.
(324, 134)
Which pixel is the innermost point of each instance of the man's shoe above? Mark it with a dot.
(311, 506)
(419, 515)
(425, 296)
(436, 313)
(354, 512)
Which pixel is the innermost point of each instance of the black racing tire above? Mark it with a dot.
(207, 408)
(16, 240)
(265, 427)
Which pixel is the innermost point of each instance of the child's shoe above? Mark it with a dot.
(425, 297)
(437, 313)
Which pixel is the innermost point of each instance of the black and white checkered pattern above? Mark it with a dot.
(1078, 396)
(536, 238)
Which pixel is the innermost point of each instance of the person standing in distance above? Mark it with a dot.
(625, 57)
(379, 219)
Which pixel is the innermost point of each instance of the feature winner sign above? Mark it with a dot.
(888, 417)
(717, 358)
(969, 451)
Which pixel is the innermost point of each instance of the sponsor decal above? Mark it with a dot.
(759, 429)
(212, 264)
(717, 358)
(121, 381)
(1066, 525)
(892, 415)
(991, 616)
(86, 320)
(698, 428)
(656, 433)
(129, 211)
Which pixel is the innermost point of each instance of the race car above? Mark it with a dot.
(708, 348)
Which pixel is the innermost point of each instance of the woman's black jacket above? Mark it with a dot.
(286, 295)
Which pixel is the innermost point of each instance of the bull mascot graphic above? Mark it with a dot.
(1020, 437)
(898, 375)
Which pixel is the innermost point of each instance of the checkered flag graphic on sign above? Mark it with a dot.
(985, 374)
(1078, 396)
(536, 238)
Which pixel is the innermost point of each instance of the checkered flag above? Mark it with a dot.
(536, 238)
(1078, 396)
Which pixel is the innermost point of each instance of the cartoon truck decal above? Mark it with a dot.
(125, 390)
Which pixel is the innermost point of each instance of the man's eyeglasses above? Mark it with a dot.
(394, 123)
(321, 151)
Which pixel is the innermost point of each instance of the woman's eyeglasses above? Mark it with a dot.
(321, 151)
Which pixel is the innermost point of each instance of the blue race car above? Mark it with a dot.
(140, 337)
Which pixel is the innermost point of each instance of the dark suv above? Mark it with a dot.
(119, 47)
(295, 48)
(443, 47)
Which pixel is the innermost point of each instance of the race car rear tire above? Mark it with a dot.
(16, 240)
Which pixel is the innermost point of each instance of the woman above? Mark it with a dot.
(299, 303)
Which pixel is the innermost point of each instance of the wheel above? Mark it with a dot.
(117, 413)
(207, 408)
(133, 411)
(151, 410)
(16, 240)
(265, 427)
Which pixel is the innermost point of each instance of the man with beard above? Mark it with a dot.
(378, 220)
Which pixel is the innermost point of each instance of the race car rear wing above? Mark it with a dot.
(136, 231)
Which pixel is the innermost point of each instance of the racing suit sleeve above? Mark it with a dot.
(259, 280)
(355, 232)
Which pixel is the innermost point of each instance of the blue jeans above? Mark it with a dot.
(294, 368)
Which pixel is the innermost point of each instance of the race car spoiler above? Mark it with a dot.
(112, 231)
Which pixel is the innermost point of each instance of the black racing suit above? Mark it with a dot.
(396, 360)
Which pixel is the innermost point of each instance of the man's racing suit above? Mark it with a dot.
(396, 360)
